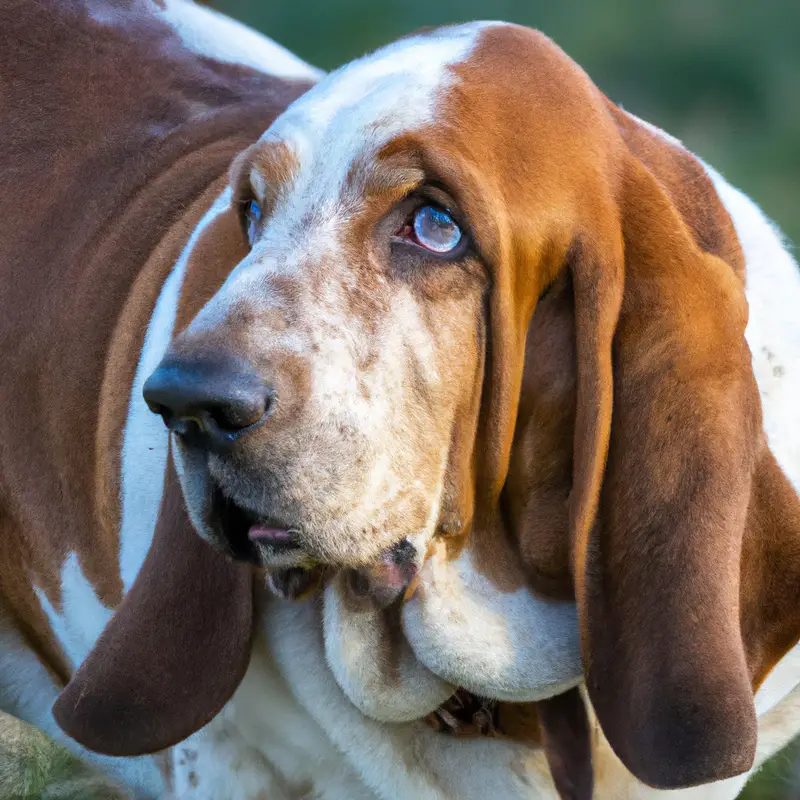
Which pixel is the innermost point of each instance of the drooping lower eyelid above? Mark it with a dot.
(463, 248)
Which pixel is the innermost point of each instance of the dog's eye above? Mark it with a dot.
(435, 229)
(252, 215)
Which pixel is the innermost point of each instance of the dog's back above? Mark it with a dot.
(112, 136)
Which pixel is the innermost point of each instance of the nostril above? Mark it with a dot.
(207, 401)
(223, 419)
(236, 415)
(186, 427)
(183, 426)
(162, 412)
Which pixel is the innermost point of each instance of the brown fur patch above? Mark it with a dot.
(189, 640)
(98, 196)
(644, 516)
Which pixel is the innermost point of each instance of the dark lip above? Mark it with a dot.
(233, 523)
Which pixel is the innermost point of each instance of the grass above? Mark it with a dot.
(32, 766)
(778, 779)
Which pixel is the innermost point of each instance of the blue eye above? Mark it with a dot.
(252, 216)
(436, 230)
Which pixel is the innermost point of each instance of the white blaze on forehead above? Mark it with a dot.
(351, 113)
(365, 104)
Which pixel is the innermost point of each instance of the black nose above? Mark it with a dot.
(208, 401)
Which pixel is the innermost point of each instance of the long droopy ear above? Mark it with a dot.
(172, 654)
(666, 434)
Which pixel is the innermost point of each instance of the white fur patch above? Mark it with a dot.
(82, 617)
(512, 646)
(264, 744)
(382, 678)
(784, 677)
(209, 33)
(27, 690)
(395, 761)
(145, 444)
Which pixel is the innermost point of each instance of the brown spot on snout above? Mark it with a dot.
(380, 585)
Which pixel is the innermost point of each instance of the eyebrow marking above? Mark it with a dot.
(266, 171)
(390, 181)
(391, 175)
(276, 162)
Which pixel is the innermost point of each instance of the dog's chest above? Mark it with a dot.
(291, 732)
(264, 744)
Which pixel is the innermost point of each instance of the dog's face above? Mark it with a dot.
(360, 313)
(401, 232)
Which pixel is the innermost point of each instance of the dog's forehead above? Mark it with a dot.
(357, 109)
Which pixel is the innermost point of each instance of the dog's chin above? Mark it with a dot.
(271, 541)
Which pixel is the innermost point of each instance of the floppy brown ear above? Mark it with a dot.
(567, 744)
(172, 654)
(658, 526)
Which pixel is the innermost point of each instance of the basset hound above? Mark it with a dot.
(484, 388)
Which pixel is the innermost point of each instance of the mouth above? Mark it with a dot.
(274, 545)
(252, 538)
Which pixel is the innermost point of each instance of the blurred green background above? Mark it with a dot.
(721, 75)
